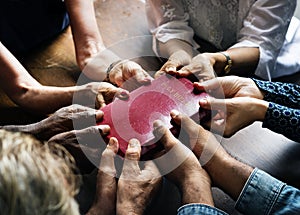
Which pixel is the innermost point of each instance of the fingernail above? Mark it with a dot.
(134, 143)
(174, 113)
(157, 124)
(198, 85)
(204, 101)
(112, 141)
(146, 81)
(124, 93)
(171, 69)
(105, 129)
(99, 114)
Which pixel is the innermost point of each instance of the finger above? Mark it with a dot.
(185, 71)
(211, 84)
(107, 164)
(134, 70)
(91, 136)
(163, 135)
(159, 73)
(211, 103)
(100, 101)
(85, 119)
(171, 66)
(131, 167)
(99, 115)
(150, 171)
(186, 123)
(176, 152)
(122, 94)
(142, 77)
(107, 94)
(75, 108)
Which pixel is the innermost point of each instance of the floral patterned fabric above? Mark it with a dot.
(283, 114)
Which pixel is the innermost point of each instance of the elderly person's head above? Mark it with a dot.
(34, 177)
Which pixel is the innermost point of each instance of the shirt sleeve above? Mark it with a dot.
(283, 120)
(265, 27)
(199, 209)
(167, 20)
(264, 194)
(286, 94)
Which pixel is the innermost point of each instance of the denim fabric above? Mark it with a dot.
(195, 209)
(263, 194)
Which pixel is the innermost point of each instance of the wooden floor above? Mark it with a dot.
(124, 29)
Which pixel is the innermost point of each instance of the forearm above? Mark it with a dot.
(244, 61)
(84, 26)
(175, 45)
(227, 173)
(12, 74)
(45, 99)
(83, 22)
(197, 189)
(25, 91)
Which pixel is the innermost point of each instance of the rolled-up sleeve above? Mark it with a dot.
(265, 27)
(264, 194)
(167, 20)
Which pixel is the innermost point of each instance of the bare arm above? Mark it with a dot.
(226, 173)
(244, 60)
(87, 38)
(25, 91)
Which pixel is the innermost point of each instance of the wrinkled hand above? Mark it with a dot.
(185, 171)
(202, 142)
(200, 69)
(87, 51)
(106, 186)
(234, 113)
(136, 187)
(98, 94)
(230, 86)
(84, 145)
(61, 121)
(129, 75)
(175, 62)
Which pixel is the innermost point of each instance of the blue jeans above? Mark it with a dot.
(262, 194)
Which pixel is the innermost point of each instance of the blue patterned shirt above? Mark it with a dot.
(283, 114)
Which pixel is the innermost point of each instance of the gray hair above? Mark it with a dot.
(35, 178)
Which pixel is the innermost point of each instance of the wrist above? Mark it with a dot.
(217, 60)
(181, 57)
(97, 68)
(197, 189)
(125, 209)
(227, 173)
(261, 107)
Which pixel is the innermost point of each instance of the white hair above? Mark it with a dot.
(35, 178)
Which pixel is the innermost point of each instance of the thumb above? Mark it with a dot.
(208, 85)
(164, 135)
(211, 103)
(142, 76)
(185, 71)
